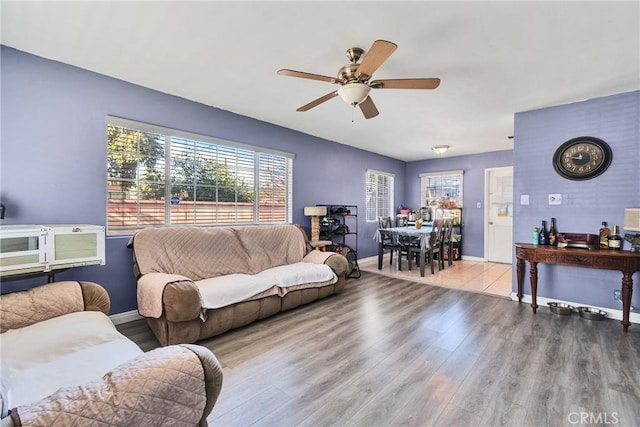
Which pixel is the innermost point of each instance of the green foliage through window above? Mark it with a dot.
(159, 178)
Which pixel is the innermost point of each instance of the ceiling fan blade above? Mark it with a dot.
(303, 75)
(368, 108)
(405, 83)
(318, 101)
(379, 51)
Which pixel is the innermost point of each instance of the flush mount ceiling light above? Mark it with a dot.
(354, 93)
(440, 149)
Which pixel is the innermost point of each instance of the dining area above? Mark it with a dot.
(416, 244)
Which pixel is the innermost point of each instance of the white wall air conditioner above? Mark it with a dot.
(74, 245)
(43, 248)
(22, 249)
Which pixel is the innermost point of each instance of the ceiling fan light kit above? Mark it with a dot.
(354, 93)
(441, 149)
(355, 79)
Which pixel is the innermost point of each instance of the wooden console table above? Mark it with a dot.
(626, 262)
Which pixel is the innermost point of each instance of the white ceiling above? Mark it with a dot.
(493, 58)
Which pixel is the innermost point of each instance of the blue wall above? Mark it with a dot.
(472, 191)
(53, 150)
(585, 204)
(54, 156)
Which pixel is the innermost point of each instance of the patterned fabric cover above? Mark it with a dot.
(169, 262)
(172, 386)
(39, 304)
(163, 387)
(205, 252)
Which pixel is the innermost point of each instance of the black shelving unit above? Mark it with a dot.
(340, 226)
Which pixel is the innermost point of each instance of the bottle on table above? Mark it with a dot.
(536, 236)
(604, 235)
(615, 241)
(553, 233)
(544, 234)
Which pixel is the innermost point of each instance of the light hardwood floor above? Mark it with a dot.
(475, 276)
(390, 352)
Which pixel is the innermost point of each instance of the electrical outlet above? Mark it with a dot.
(617, 295)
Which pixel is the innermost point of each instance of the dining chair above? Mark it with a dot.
(433, 250)
(447, 243)
(389, 241)
(384, 222)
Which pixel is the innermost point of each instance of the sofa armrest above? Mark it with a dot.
(212, 376)
(172, 294)
(337, 262)
(95, 297)
(182, 301)
(175, 385)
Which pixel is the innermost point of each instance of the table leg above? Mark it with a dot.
(627, 290)
(520, 276)
(380, 253)
(534, 285)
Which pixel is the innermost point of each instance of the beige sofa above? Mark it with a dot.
(64, 363)
(197, 282)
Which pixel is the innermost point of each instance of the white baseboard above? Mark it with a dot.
(473, 258)
(611, 313)
(127, 316)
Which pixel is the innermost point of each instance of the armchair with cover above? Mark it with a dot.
(64, 363)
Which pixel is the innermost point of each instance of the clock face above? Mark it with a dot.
(582, 158)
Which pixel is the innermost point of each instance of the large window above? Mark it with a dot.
(163, 177)
(443, 189)
(379, 195)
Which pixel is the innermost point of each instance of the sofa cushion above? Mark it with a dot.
(271, 246)
(226, 290)
(300, 273)
(195, 252)
(204, 252)
(64, 351)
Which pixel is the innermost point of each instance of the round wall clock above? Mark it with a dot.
(582, 158)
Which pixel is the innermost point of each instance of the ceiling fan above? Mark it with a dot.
(354, 79)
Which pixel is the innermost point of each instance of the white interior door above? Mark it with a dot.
(499, 214)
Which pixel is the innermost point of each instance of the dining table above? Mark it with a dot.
(423, 233)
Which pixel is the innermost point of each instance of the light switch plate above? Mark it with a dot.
(524, 199)
(555, 199)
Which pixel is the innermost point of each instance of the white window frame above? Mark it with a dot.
(424, 177)
(372, 213)
(173, 133)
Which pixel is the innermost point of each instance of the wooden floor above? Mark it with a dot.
(390, 352)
